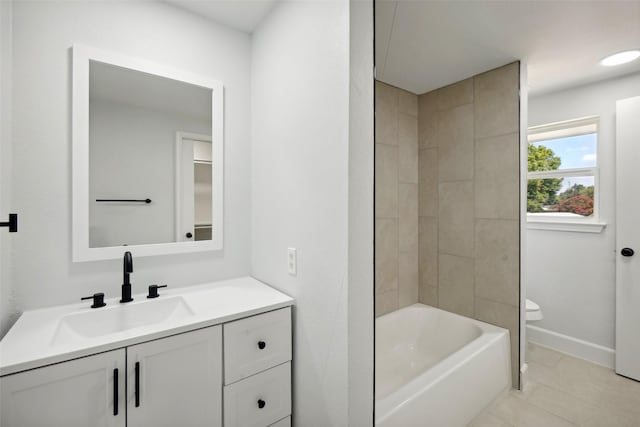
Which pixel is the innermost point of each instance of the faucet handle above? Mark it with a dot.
(153, 290)
(98, 300)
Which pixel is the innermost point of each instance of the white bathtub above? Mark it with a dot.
(437, 369)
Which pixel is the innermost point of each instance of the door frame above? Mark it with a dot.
(216, 220)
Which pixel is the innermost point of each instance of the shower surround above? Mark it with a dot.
(468, 202)
(396, 209)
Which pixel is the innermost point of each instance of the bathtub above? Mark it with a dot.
(437, 369)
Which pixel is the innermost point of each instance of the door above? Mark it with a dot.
(194, 191)
(79, 393)
(627, 238)
(176, 381)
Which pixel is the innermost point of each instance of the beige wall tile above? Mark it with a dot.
(497, 177)
(407, 278)
(386, 180)
(408, 217)
(407, 103)
(428, 295)
(386, 255)
(455, 284)
(386, 93)
(428, 182)
(428, 253)
(408, 148)
(455, 143)
(505, 316)
(386, 114)
(456, 218)
(386, 302)
(427, 120)
(454, 95)
(498, 260)
(497, 103)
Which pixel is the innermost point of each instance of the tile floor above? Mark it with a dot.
(564, 391)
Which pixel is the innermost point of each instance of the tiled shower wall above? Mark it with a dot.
(396, 208)
(469, 238)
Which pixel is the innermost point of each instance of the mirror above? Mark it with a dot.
(147, 158)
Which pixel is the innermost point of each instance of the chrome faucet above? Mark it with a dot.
(127, 269)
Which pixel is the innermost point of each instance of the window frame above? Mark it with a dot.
(566, 129)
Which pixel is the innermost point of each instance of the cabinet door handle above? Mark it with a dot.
(115, 392)
(262, 345)
(137, 385)
(261, 403)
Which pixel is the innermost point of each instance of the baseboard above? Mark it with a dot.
(572, 346)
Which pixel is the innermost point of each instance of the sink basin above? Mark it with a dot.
(120, 318)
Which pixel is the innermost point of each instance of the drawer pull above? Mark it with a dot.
(262, 345)
(115, 392)
(137, 384)
(261, 403)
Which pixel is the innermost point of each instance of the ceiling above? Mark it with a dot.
(243, 15)
(125, 86)
(424, 45)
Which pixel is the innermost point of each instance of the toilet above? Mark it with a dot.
(534, 312)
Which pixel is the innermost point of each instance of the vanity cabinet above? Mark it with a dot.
(257, 354)
(78, 393)
(175, 381)
(180, 380)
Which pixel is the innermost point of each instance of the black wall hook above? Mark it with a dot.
(12, 223)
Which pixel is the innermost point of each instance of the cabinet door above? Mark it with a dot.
(176, 381)
(79, 393)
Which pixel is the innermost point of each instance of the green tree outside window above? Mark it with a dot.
(542, 192)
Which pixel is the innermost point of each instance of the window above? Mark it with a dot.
(562, 185)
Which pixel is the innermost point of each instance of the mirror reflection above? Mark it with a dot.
(150, 158)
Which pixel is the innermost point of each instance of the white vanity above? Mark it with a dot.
(216, 354)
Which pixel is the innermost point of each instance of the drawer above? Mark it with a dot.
(260, 400)
(285, 422)
(256, 343)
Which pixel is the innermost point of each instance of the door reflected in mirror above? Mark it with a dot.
(193, 184)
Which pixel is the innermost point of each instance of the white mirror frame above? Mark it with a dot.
(80, 156)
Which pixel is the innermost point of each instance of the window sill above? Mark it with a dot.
(573, 226)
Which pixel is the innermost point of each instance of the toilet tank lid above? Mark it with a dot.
(532, 306)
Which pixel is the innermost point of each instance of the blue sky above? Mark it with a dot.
(574, 152)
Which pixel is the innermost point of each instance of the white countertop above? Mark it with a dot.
(30, 342)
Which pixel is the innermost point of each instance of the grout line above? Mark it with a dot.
(482, 138)
(455, 180)
(388, 145)
(497, 219)
(456, 255)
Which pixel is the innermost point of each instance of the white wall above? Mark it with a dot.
(572, 275)
(300, 141)
(43, 274)
(7, 310)
(132, 156)
(291, 185)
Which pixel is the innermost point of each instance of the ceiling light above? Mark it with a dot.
(620, 58)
